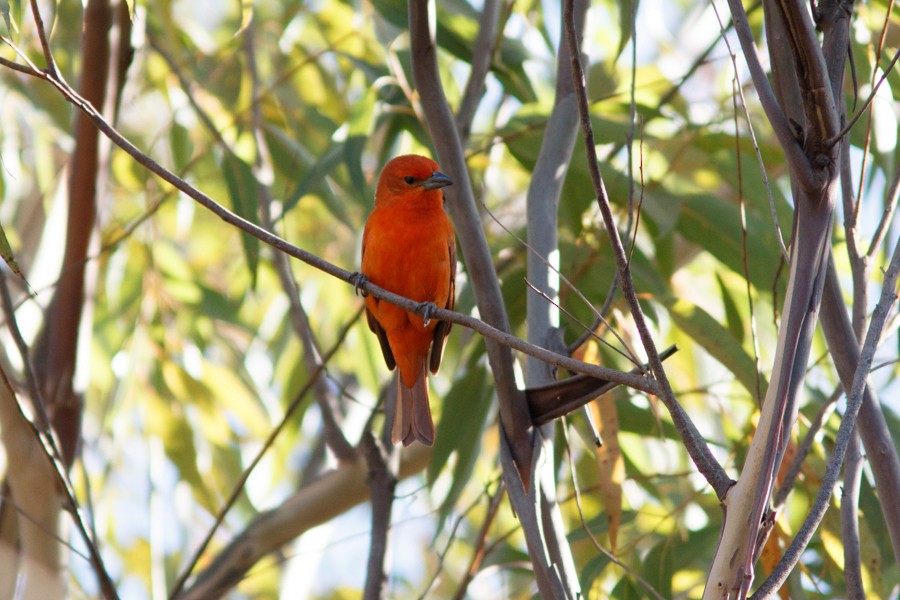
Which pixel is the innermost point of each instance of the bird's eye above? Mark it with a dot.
(409, 179)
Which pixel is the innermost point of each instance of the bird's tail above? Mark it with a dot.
(412, 414)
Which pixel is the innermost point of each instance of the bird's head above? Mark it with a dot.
(408, 176)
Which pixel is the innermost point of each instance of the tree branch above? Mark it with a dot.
(853, 468)
(381, 463)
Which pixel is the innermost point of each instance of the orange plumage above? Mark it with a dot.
(409, 248)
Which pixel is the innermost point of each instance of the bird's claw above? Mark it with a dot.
(426, 310)
(358, 280)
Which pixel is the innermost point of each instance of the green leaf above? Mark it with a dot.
(732, 314)
(7, 254)
(715, 225)
(314, 177)
(244, 193)
(717, 341)
(659, 568)
(626, 590)
(593, 569)
(7, 18)
(627, 13)
(181, 146)
(463, 415)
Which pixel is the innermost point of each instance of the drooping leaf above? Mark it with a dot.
(718, 342)
(732, 314)
(610, 465)
(715, 225)
(7, 254)
(244, 193)
(315, 176)
(459, 431)
(659, 567)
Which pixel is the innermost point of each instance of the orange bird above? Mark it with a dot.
(409, 248)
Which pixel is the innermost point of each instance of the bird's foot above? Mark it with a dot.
(358, 280)
(426, 310)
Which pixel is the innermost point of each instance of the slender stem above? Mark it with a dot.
(262, 169)
(853, 468)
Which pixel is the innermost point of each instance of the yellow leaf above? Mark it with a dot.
(610, 463)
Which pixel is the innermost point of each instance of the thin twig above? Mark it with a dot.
(862, 110)
(631, 356)
(759, 159)
(52, 70)
(634, 360)
(451, 538)
(478, 552)
(5, 62)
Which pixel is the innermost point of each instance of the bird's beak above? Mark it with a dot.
(437, 180)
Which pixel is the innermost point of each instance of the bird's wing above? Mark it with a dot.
(442, 329)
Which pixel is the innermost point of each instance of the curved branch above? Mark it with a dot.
(880, 445)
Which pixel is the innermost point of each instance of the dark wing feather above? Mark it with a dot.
(442, 329)
(376, 327)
